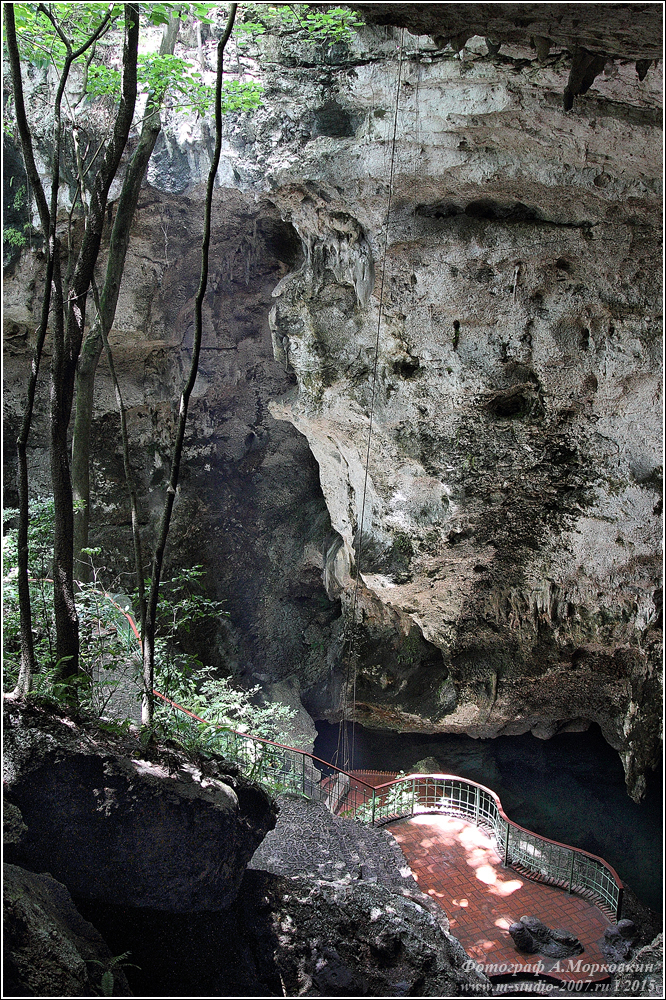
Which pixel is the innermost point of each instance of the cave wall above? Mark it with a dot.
(509, 563)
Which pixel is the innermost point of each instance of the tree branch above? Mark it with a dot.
(158, 559)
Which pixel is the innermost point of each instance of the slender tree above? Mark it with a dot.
(68, 330)
(158, 558)
(48, 220)
(108, 300)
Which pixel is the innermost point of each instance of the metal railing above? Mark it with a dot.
(534, 856)
(282, 768)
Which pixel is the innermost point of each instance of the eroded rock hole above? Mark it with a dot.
(406, 367)
(486, 208)
(438, 210)
(333, 120)
(282, 241)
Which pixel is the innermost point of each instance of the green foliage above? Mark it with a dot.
(19, 196)
(327, 26)
(106, 637)
(332, 25)
(223, 706)
(40, 44)
(107, 982)
(40, 541)
(167, 78)
(403, 545)
(410, 648)
(14, 237)
(238, 95)
(397, 801)
(110, 657)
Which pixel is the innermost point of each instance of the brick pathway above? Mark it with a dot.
(455, 863)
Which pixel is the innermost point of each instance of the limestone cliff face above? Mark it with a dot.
(509, 561)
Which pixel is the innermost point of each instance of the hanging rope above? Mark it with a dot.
(345, 751)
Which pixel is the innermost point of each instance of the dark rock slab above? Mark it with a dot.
(619, 940)
(49, 949)
(118, 827)
(532, 936)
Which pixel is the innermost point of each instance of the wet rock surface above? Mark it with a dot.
(116, 826)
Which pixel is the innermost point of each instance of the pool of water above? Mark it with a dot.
(569, 788)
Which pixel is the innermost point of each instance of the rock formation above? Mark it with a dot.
(531, 936)
(49, 949)
(149, 855)
(358, 939)
(644, 974)
(117, 827)
(618, 940)
(509, 563)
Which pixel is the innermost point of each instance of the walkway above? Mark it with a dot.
(454, 860)
(455, 863)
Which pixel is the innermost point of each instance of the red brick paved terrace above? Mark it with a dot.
(455, 862)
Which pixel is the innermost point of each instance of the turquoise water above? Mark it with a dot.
(569, 788)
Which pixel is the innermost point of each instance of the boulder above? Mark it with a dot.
(531, 935)
(643, 976)
(354, 938)
(118, 824)
(619, 940)
(49, 949)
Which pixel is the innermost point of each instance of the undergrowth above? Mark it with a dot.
(108, 684)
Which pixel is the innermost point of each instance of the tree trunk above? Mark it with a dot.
(66, 349)
(48, 222)
(93, 343)
(151, 610)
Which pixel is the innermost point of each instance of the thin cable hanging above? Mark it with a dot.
(345, 752)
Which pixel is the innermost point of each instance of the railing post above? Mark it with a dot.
(571, 872)
(373, 807)
(506, 847)
(476, 807)
(413, 794)
(303, 760)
